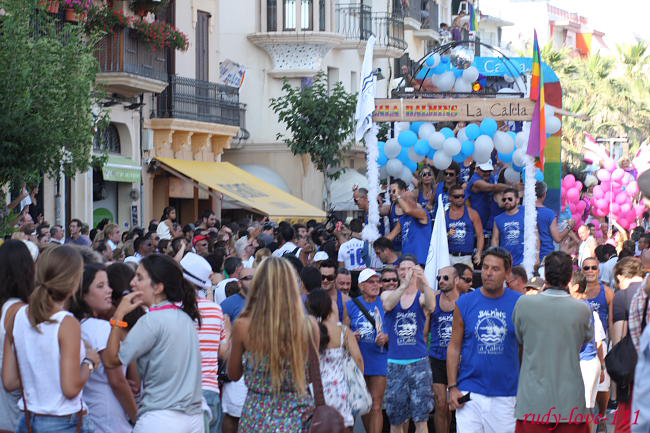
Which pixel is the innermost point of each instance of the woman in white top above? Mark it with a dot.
(52, 365)
(16, 284)
(166, 223)
(111, 403)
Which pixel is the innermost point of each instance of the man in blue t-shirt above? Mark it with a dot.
(547, 224)
(508, 230)
(480, 195)
(414, 225)
(483, 336)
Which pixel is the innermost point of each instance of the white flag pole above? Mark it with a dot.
(530, 218)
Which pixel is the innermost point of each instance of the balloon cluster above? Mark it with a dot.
(615, 195)
(440, 72)
(399, 157)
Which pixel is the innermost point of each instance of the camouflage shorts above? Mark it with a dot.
(409, 392)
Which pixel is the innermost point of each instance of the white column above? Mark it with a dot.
(263, 16)
(298, 16)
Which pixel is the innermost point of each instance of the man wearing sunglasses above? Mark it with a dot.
(465, 278)
(328, 275)
(480, 190)
(450, 179)
(464, 228)
(508, 230)
(441, 324)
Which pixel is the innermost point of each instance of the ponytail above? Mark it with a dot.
(319, 305)
(40, 305)
(190, 306)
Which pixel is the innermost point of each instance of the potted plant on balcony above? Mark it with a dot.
(143, 7)
(52, 6)
(160, 34)
(77, 10)
(106, 20)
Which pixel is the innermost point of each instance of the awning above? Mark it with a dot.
(121, 169)
(247, 189)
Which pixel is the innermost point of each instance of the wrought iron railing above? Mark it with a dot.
(123, 52)
(389, 30)
(425, 12)
(354, 21)
(243, 134)
(190, 99)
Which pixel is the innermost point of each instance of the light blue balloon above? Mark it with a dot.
(415, 127)
(422, 147)
(407, 138)
(467, 147)
(517, 168)
(424, 73)
(457, 72)
(447, 132)
(432, 152)
(382, 159)
(430, 60)
(513, 135)
(539, 175)
(444, 60)
(505, 157)
(459, 157)
(442, 67)
(404, 155)
(488, 126)
(472, 131)
(412, 165)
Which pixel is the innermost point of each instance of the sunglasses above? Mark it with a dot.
(468, 280)
(508, 199)
(458, 196)
(427, 174)
(246, 278)
(389, 280)
(328, 277)
(442, 277)
(450, 173)
(590, 268)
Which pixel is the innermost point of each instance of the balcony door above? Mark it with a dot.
(202, 64)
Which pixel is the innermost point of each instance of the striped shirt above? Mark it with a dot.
(211, 334)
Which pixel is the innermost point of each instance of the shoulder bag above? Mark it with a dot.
(358, 394)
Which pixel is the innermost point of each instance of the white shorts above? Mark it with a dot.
(483, 414)
(233, 398)
(590, 376)
(170, 421)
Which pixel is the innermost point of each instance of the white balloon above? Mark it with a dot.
(435, 141)
(401, 126)
(392, 148)
(549, 110)
(462, 86)
(511, 175)
(508, 78)
(481, 157)
(441, 160)
(383, 174)
(519, 157)
(553, 124)
(470, 74)
(506, 92)
(451, 146)
(503, 142)
(446, 81)
(483, 145)
(406, 175)
(436, 60)
(394, 167)
(521, 139)
(426, 129)
(414, 156)
(462, 135)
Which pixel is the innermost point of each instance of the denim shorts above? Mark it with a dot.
(214, 403)
(55, 424)
(409, 392)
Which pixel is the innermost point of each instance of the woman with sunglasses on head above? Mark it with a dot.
(426, 186)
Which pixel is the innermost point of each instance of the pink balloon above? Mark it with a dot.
(639, 209)
(609, 164)
(632, 188)
(581, 206)
(602, 203)
(605, 185)
(615, 208)
(572, 195)
(618, 174)
(603, 175)
(599, 234)
(569, 181)
(596, 224)
(626, 179)
(621, 198)
(625, 207)
(598, 192)
(578, 185)
(616, 186)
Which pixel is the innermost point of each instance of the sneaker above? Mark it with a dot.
(612, 405)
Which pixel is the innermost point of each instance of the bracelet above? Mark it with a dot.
(90, 364)
(118, 323)
(450, 387)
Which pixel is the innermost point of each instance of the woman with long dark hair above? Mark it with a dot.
(49, 361)
(165, 344)
(16, 284)
(110, 401)
(166, 225)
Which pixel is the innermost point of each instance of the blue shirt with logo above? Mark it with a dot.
(463, 240)
(490, 351)
(545, 217)
(405, 329)
(375, 358)
(511, 234)
(415, 237)
(441, 322)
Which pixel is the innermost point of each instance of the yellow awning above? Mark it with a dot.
(243, 187)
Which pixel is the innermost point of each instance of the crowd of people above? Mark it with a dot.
(208, 327)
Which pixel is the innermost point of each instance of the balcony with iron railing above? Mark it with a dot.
(356, 22)
(128, 66)
(388, 28)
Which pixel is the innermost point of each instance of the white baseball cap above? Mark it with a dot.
(320, 256)
(366, 274)
(486, 166)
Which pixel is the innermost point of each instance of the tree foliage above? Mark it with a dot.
(48, 69)
(319, 122)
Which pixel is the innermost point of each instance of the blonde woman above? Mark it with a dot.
(112, 235)
(52, 366)
(270, 347)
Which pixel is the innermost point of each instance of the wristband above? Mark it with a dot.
(450, 387)
(118, 323)
(90, 364)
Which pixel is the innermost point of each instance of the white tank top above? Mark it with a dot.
(39, 358)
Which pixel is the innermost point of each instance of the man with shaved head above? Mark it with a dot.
(441, 321)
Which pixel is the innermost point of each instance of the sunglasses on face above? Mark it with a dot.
(590, 268)
(442, 277)
(328, 277)
(427, 174)
(450, 173)
(468, 280)
(389, 280)
(508, 199)
(458, 196)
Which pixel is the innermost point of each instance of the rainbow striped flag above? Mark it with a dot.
(473, 19)
(537, 138)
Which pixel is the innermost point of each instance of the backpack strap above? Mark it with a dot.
(365, 312)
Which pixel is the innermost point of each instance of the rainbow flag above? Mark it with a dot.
(537, 138)
(473, 19)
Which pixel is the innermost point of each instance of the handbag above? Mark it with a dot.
(621, 361)
(358, 394)
(324, 419)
